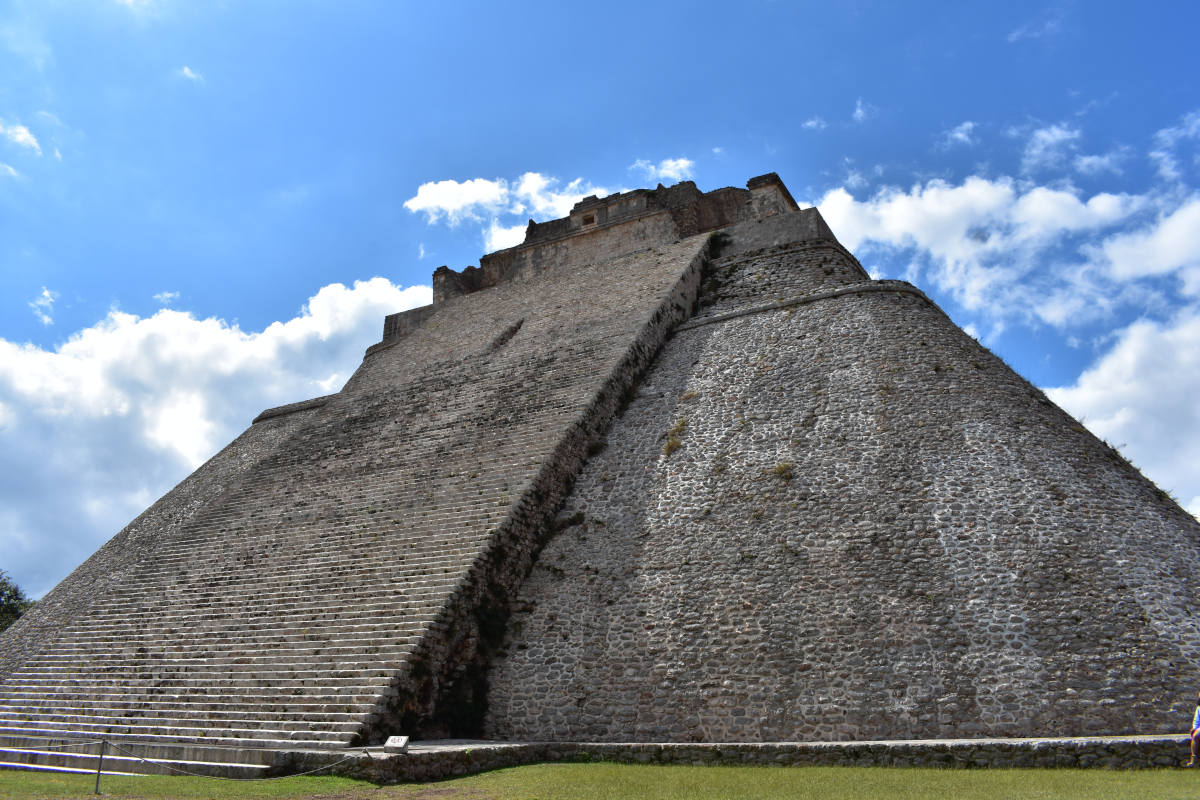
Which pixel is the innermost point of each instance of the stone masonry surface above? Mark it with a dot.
(346, 586)
(866, 527)
(675, 470)
(429, 761)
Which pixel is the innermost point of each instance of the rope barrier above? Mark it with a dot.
(180, 771)
(45, 748)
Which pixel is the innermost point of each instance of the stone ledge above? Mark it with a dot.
(292, 408)
(437, 760)
(858, 288)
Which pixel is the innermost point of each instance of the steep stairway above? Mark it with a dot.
(287, 608)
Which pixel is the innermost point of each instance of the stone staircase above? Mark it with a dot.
(284, 610)
(134, 758)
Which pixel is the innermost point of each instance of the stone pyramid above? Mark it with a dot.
(674, 469)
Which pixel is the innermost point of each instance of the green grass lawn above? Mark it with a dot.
(604, 781)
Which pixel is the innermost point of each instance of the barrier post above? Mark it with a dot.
(100, 763)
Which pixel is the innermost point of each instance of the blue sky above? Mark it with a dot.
(207, 208)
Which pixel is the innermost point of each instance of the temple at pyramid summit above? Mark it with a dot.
(674, 469)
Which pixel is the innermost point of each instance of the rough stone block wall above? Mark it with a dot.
(352, 580)
(823, 513)
(844, 519)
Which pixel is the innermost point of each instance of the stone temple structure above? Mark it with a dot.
(674, 469)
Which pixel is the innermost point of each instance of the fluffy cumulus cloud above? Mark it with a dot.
(94, 430)
(669, 169)
(499, 237)
(1170, 244)
(455, 201)
(1141, 397)
(981, 239)
(1033, 249)
(500, 203)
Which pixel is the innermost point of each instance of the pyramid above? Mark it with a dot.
(674, 469)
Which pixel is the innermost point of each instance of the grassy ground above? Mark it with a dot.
(605, 781)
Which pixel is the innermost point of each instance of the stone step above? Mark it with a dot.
(248, 720)
(238, 696)
(244, 651)
(12, 759)
(290, 739)
(149, 597)
(345, 665)
(293, 570)
(399, 617)
(87, 705)
(170, 716)
(146, 749)
(127, 759)
(230, 736)
(377, 598)
(298, 686)
(327, 623)
(317, 652)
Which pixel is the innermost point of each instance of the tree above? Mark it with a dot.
(13, 602)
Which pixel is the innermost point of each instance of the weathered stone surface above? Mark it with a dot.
(812, 508)
(867, 527)
(350, 581)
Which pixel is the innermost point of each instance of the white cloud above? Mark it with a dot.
(21, 136)
(862, 111)
(166, 297)
(1143, 392)
(813, 124)
(187, 72)
(537, 194)
(1167, 141)
(6, 169)
(532, 195)
(982, 240)
(1047, 147)
(855, 179)
(499, 237)
(1099, 164)
(112, 418)
(1171, 243)
(671, 169)
(717, 151)
(1049, 24)
(960, 134)
(457, 201)
(43, 306)
(421, 251)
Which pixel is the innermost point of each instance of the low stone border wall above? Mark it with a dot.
(428, 761)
